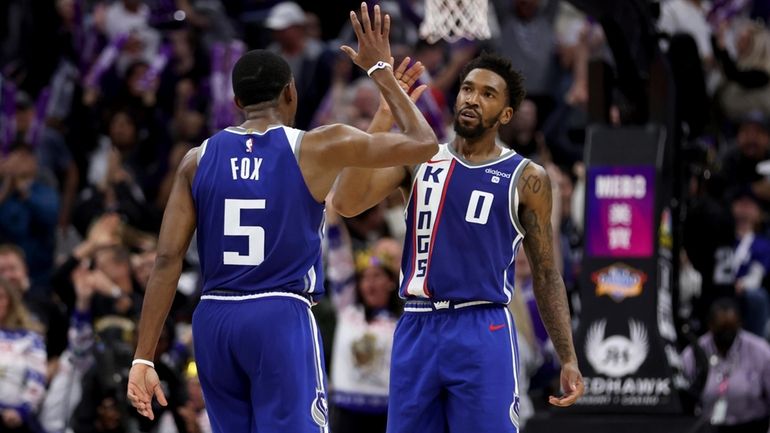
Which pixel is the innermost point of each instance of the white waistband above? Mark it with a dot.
(441, 305)
(256, 296)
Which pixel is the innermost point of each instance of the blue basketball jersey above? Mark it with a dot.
(259, 228)
(462, 228)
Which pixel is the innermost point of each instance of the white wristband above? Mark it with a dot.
(378, 65)
(143, 362)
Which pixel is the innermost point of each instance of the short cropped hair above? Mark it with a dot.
(723, 305)
(502, 67)
(13, 249)
(259, 76)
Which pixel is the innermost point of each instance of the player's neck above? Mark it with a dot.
(260, 118)
(479, 149)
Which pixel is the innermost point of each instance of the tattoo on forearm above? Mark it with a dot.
(550, 292)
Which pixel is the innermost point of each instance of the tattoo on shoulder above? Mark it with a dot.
(532, 182)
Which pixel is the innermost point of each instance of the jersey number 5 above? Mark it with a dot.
(256, 234)
(479, 206)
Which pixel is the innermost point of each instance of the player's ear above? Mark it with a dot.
(238, 103)
(289, 92)
(506, 115)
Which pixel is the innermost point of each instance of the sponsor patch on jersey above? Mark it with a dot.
(497, 173)
(619, 281)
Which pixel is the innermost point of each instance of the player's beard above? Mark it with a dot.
(474, 131)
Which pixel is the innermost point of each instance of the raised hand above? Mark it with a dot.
(105, 231)
(84, 289)
(373, 44)
(407, 76)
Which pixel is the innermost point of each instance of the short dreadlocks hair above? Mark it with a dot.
(502, 67)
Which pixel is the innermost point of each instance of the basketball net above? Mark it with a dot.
(455, 19)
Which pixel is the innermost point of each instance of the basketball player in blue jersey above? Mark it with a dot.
(471, 207)
(255, 193)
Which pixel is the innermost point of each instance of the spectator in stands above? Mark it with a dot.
(131, 18)
(739, 163)
(688, 16)
(103, 407)
(570, 235)
(113, 182)
(527, 38)
(29, 211)
(174, 159)
(310, 61)
(194, 411)
(105, 231)
(736, 397)
(22, 361)
(747, 77)
(364, 291)
(56, 164)
(117, 291)
(43, 306)
(65, 389)
(522, 134)
(749, 263)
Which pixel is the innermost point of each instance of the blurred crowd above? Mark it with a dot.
(101, 99)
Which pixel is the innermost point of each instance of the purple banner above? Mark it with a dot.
(620, 216)
(105, 60)
(156, 67)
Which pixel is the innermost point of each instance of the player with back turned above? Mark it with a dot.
(471, 207)
(255, 194)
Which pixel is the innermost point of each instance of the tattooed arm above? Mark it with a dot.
(534, 189)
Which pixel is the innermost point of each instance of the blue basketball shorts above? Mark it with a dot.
(454, 369)
(260, 364)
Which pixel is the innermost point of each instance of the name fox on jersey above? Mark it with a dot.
(246, 169)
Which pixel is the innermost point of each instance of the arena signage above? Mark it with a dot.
(626, 335)
(620, 204)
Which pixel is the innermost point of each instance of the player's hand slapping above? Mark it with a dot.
(373, 44)
(572, 384)
(407, 77)
(143, 385)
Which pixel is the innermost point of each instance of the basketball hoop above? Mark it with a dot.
(452, 20)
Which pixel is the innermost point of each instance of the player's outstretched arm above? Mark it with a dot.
(176, 232)
(358, 189)
(535, 215)
(374, 50)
